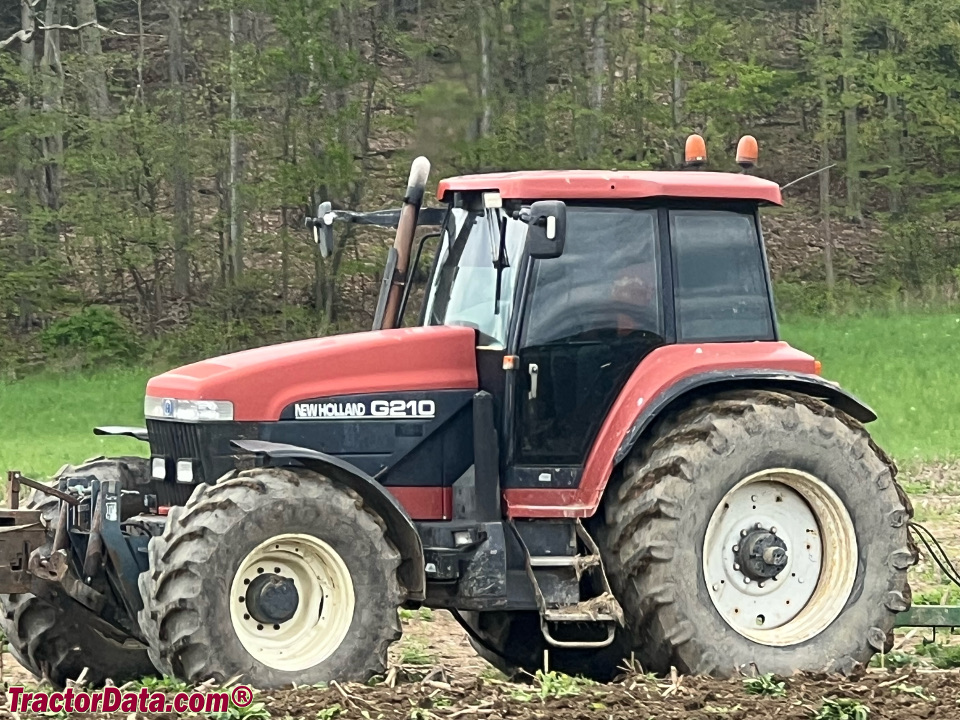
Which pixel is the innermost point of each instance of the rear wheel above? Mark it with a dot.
(278, 576)
(56, 637)
(758, 530)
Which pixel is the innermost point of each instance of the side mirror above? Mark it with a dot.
(323, 228)
(547, 229)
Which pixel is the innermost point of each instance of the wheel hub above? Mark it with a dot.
(780, 557)
(292, 601)
(761, 555)
(272, 599)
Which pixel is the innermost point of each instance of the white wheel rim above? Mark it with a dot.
(324, 611)
(810, 592)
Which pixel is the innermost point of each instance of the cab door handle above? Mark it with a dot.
(534, 371)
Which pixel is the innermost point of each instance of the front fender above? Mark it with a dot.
(399, 527)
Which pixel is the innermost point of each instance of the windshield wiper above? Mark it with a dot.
(501, 263)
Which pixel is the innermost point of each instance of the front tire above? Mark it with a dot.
(794, 480)
(278, 576)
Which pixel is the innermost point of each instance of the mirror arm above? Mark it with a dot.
(413, 270)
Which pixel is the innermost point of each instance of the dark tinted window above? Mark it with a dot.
(606, 280)
(721, 287)
(594, 313)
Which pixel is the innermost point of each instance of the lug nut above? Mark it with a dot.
(736, 566)
(759, 526)
(743, 533)
(746, 580)
(736, 548)
(773, 531)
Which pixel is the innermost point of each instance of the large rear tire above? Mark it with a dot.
(54, 636)
(758, 531)
(278, 576)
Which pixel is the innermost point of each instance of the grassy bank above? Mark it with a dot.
(906, 366)
(47, 420)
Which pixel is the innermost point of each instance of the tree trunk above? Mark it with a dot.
(598, 74)
(28, 61)
(676, 94)
(825, 156)
(94, 71)
(236, 237)
(25, 156)
(51, 185)
(180, 166)
(486, 111)
(851, 126)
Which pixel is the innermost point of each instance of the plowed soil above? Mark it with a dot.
(435, 675)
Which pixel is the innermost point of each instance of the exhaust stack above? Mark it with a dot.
(398, 260)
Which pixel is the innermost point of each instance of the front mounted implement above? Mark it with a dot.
(20, 534)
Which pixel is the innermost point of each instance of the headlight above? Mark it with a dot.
(187, 410)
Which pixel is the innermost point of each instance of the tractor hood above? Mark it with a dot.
(261, 382)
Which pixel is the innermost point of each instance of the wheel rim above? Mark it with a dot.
(317, 622)
(780, 557)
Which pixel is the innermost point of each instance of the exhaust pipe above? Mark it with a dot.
(398, 260)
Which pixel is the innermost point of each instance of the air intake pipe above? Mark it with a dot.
(398, 260)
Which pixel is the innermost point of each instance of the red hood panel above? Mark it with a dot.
(262, 382)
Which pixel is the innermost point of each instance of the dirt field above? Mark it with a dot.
(435, 674)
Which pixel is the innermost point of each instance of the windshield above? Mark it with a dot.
(464, 286)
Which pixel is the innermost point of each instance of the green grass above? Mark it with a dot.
(47, 420)
(907, 367)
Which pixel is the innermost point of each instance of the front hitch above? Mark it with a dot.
(21, 532)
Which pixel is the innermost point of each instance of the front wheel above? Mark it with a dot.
(278, 576)
(759, 532)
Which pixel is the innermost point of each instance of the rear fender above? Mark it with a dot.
(709, 383)
(399, 527)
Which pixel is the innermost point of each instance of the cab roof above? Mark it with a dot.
(614, 185)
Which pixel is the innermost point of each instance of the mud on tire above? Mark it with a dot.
(656, 519)
(186, 593)
(54, 636)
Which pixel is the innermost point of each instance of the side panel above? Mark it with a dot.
(416, 444)
(654, 376)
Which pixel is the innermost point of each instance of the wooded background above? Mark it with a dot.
(157, 157)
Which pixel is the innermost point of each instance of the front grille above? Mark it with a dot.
(174, 439)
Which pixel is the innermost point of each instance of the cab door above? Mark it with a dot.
(591, 315)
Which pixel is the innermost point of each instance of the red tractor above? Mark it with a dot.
(591, 441)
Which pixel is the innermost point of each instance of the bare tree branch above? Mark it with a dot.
(21, 35)
(26, 37)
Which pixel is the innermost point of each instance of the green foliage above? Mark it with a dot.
(94, 336)
(415, 653)
(942, 656)
(765, 685)
(843, 709)
(914, 690)
(330, 712)
(551, 685)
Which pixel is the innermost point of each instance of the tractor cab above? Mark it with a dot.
(570, 279)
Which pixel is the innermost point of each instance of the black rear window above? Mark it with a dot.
(721, 290)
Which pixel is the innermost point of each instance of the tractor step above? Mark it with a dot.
(602, 609)
(581, 562)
